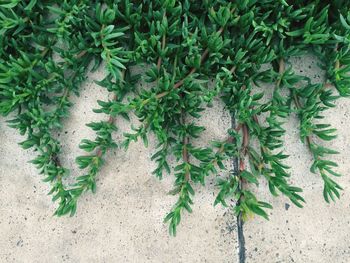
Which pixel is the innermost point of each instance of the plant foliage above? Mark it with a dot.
(47, 48)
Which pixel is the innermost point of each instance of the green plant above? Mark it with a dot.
(49, 47)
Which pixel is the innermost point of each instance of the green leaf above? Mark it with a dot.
(9, 3)
(344, 22)
(30, 6)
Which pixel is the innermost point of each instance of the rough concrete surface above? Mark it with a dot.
(122, 222)
(319, 232)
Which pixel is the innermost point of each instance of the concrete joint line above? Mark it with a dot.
(239, 219)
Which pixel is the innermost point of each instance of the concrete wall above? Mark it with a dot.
(319, 232)
(122, 222)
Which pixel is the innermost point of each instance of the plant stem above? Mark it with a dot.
(281, 69)
(159, 63)
(193, 70)
(185, 142)
(299, 107)
(111, 119)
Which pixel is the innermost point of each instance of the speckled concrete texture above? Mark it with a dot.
(319, 232)
(123, 221)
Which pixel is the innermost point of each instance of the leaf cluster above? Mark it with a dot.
(191, 53)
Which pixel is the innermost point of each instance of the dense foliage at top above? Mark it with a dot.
(47, 48)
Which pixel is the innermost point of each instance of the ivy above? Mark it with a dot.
(191, 52)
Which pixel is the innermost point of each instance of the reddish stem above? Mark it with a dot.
(203, 57)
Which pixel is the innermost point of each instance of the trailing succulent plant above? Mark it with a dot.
(47, 48)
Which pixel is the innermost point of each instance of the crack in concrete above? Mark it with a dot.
(241, 240)
(240, 231)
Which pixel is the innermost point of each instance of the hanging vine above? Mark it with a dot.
(49, 47)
